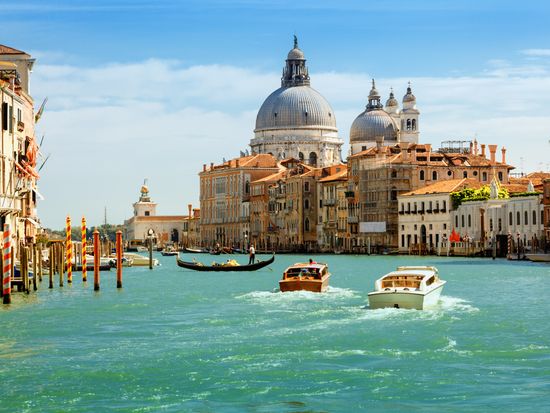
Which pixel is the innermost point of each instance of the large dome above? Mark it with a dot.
(372, 124)
(295, 107)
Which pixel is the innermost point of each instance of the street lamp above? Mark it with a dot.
(245, 246)
(150, 234)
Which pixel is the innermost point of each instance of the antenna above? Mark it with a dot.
(105, 223)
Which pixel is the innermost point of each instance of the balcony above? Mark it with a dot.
(353, 220)
(420, 211)
(429, 211)
(329, 202)
(436, 210)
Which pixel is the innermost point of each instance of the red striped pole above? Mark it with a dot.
(96, 260)
(84, 263)
(119, 259)
(69, 251)
(6, 270)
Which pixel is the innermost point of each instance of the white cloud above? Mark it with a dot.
(109, 127)
(536, 52)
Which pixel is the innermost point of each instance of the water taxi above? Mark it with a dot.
(408, 287)
(140, 260)
(305, 276)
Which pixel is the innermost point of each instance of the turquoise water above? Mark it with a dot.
(174, 340)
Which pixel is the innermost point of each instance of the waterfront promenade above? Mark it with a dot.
(178, 341)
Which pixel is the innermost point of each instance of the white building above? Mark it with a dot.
(425, 215)
(296, 121)
(165, 228)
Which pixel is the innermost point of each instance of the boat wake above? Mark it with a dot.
(276, 296)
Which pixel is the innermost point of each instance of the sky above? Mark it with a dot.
(155, 89)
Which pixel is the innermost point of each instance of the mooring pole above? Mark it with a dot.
(96, 260)
(119, 259)
(6, 269)
(84, 263)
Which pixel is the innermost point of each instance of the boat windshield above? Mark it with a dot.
(310, 272)
(409, 281)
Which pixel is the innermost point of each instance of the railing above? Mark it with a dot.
(353, 220)
(429, 211)
(329, 202)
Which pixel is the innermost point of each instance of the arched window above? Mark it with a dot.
(525, 218)
(306, 224)
(518, 218)
(484, 176)
(306, 186)
(421, 175)
(465, 174)
(313, 159)
(394, 173)
(306, 204)
(408, 124)
(456, 221)
(534, 217)
(434, 175)
(414, 124)
(247, 187)
(500, 176)
(300, 156)
(462, 220)
(469, 220)
(393, 194)
(510, 219)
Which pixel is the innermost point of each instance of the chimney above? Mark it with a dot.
(503, 154)
(189, 206)
(404, 150)
(493, 152)
(471, 147)
(428, 151)
(211, 166)
(204, 167)
(475, 146)
(379, 143)
(237, 163)
(483, 150)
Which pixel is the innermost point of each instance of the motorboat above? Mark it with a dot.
(310, 276)
(413, 287)
(140, 260)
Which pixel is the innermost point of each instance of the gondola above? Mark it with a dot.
(201, 267)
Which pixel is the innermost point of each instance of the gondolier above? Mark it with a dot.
(251, 254)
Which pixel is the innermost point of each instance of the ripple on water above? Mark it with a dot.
(278, 297)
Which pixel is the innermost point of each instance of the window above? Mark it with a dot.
(306, 224)
(434, 175)
(465, 174)
(456, 221)
(500, 176)
(534, 217)
(484, 176)
(394, 173)
(470, 220)
(449, 173)
(462, 220)
(306, 204)
(306, 186)
(444, 205)
(421, 175)
(313, 159)
(510, 219)
(409, 124)
(301, 156)
(518, 218)
(414, 124)
(525, 218)
(393, 194)
(146, 213)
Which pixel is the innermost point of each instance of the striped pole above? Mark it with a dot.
(84, 263)
(119, 259)
(509, 245)
(69, 249)
(6, 270)
(97, 254)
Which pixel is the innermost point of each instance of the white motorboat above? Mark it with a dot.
(140, 260)
(408, 287)
(538, 257)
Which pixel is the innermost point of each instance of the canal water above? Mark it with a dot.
(173, 340)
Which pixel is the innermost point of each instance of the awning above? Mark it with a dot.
(39, 195)
(32, 221)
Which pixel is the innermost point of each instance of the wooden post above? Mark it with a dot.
(61, 262)
(24, 268)
(119, 259)
(40, 269)
(150, 252)
(34, 267)
(6, 268)
(97, 257)
(50, 262)
(84, 263)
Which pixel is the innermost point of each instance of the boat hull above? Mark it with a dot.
(315, 286)
(223, 268)
(538, 257)
(405, 299)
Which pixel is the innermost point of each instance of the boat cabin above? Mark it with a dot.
(306, 272)
(409, 278)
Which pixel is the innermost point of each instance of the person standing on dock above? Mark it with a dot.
(251, 255)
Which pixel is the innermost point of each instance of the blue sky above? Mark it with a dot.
(154, 89)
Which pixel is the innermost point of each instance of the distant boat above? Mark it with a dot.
(168, 251)
(232, 265)
(538, 257)
(140, 260)
(196, 250)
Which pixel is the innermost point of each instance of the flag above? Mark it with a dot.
(38, 114)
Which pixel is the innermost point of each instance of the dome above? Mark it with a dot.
(296, 54)
(409, 97)
(372, 124)
(392, 101)
(295, 107)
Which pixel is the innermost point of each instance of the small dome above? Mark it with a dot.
(298, 106)
(296, 54)
(409, 97)
(144, 189)
(372, 124)
(392, 101)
